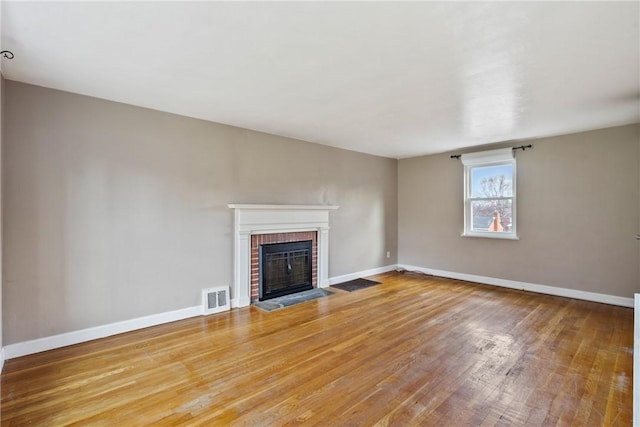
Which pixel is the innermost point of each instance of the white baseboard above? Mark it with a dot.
(48, 343)
(56, 341)
(636, 362)
(530, 287)
(365, 273)
(1, 359)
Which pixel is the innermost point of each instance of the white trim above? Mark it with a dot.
(491, 235)
(636, 362)
(56, 341)
(503, 156)
(488, 156)
(283, 207)
(62, 340)
(346, 277)
(530, 287)
(267, 219)
(76, 337)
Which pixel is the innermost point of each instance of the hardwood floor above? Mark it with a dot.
(414, 350)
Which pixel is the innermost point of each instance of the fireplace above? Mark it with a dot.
(259, 224)
(285, 268)
(269, 240)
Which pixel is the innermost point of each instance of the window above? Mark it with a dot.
(490, 194)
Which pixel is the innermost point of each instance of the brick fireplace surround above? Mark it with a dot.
(262, 239)
(267, 224)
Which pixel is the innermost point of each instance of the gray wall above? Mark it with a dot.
(112, 212)
(1, 192)
(578, 213)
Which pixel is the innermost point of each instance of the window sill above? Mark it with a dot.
(491, 235)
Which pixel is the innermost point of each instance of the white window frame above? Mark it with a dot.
(503, 156)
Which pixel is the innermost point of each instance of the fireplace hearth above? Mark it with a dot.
(285, 268)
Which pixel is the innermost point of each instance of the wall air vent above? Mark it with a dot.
(215, 300)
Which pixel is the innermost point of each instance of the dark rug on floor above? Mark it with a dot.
(354, 285)
(293, 299)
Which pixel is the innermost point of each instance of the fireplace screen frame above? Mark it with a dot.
(282, 249)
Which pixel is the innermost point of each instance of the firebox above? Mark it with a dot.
(285, 268)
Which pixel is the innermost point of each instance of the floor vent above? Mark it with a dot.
(215, 300)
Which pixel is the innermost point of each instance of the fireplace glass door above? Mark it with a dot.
(285, 268)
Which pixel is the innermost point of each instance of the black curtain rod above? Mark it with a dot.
(521, 147)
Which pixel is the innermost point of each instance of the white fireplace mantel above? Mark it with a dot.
(267, 219)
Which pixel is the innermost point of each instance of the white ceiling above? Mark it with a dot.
(387, 78)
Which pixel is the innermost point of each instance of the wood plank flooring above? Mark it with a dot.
(414, 350)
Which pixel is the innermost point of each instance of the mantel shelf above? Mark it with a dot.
(282, 207)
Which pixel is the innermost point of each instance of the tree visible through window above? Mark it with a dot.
(490, 197)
